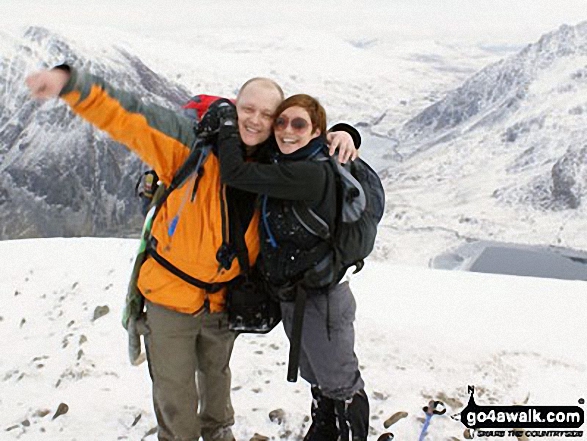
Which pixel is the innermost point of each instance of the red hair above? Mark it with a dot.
(310, 105)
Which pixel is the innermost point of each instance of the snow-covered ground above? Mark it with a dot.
(421, 334)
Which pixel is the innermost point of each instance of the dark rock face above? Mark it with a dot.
(58, 175)
(569, 175)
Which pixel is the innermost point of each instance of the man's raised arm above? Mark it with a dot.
(160, 136)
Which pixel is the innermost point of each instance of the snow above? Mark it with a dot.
(421, 334)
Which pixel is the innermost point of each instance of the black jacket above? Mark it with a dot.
(288, 250)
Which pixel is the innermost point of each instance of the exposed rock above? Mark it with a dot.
(100, 311)
(379, 396)
(394, 419)
(277, 416)
(569, 176)
(42, 413)
(151, 431)
(136, 420)
(62, 409)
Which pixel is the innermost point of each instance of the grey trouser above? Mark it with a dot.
(327, 357)
(183, 348)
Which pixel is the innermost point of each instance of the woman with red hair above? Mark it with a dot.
(291, 254)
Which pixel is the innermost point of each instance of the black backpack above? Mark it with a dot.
(360, 207)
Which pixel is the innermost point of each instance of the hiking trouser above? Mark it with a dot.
(327, 355)
(188, 357)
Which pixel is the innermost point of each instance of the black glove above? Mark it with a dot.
(221, 112)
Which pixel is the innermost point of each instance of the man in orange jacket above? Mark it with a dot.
(182, 280)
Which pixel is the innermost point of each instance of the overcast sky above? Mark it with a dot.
(515, 22)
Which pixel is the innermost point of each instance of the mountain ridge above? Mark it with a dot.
(45, 189)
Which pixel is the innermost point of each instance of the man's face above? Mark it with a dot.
(255, 108)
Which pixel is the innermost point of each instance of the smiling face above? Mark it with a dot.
(293, 129)
(255, 106)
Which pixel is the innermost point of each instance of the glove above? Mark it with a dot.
(220, 113)
(136, 328)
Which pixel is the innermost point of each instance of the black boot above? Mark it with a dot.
(323, 426)
(353, 417)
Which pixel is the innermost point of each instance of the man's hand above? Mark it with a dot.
(47, 83)
(342, 141)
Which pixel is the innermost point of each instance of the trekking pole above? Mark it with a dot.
(433, 408)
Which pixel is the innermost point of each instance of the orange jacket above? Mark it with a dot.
(162, 138)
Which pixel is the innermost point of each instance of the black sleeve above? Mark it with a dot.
(296, 180)
(344, 127)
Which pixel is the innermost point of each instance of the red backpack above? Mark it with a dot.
(197, 105)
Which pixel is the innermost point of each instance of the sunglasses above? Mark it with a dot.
(297, 124)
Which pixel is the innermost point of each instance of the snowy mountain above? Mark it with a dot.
(501, 157)
(500, 90)
(58, 175)
(421, 334)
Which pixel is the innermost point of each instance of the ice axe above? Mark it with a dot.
(433, 408)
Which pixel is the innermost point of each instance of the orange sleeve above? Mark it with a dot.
(161, 137)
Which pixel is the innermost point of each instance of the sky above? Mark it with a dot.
(487, 22)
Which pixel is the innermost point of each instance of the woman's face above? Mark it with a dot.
(293, 129)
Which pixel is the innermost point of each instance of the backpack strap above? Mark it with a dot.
(309, 219)
(225, 253)
(313, 223)
(296, 334)
(237, 235)
(193, 164)
(209, 287)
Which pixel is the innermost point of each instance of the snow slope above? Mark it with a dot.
(421, 334)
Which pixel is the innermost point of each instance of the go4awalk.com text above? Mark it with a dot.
(522, 420)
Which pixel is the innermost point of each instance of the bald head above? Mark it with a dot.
(261, 82)
(255, 104)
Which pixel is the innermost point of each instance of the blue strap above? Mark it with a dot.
(173, 224)
(266, 223)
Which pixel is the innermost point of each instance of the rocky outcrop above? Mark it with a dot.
(58, 175)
